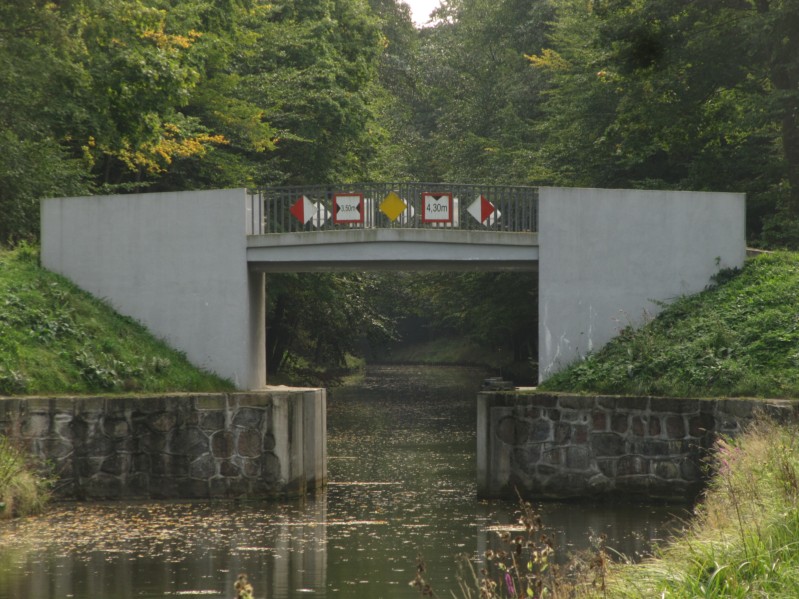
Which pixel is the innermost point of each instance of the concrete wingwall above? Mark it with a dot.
(176, 262)
(608, 257)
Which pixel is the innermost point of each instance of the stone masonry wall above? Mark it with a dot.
(562, 446)
(201, 446)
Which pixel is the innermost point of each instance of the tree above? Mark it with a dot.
(672, 94)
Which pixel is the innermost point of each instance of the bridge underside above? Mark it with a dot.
(393, 249)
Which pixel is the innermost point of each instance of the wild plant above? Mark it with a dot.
(419, 582)
(243, 588)
(22, 490)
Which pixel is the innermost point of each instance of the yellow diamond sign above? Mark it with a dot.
(392, 206)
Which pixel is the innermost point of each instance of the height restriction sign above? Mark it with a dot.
(348, 208)
(436, 207)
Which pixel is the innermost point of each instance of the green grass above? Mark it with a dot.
(23, 490)
(744, 541)
(57, 339)
(738, 338)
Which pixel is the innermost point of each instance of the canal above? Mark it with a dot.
(401, 446)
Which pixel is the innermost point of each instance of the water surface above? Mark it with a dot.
(402, 462)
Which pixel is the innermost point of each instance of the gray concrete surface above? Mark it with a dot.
(176, 262)
(607, 258)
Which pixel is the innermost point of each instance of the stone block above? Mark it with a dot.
(162, 422)
(690, 470)
(103, 486)
(189, 441)
(218, 487)
(563, 433)
(607, 466)
(580, 434)
(578, 458)
(249, 443)
(176, 466)
(571, 415)
(250, 468)
(607, 444)
(599, 422)
(666, 470)
(10, 410)
(620, 423)
(526, 457)
(576, 402)
(674, 405)
(675, 427)
(512, 431)
(116, 427)
(137, 485)
(270, 467)
(116, 464)
(258, 400)
(89, 406)
(248, 418)
(37, 425)
(540, 431)
(269, 442)
(212, 421)
(541, 400)
(222, 445)
(632, 404)
(228, 469)
(214, 402)
(565, 485)
(86, 467)
(552, 456)
(167, 487)
(203, 468)
(53, 448)
(701, 425)
(738, 408)
(632, 464)
(654, 425)
(152, 442)
(546, 470)
(639, 426)
(606, 401)
(99, 446)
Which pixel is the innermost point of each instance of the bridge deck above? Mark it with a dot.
(392, 249)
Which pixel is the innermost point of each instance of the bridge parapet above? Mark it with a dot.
(414, 205)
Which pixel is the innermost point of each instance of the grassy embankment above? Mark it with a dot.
(739, 338)
(56, 340)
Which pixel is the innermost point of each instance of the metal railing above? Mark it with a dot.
(307, 208)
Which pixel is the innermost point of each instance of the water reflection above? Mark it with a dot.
(402, 468)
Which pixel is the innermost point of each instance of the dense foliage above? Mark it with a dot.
(739, 338)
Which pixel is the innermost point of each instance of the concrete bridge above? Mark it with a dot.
(190, 265)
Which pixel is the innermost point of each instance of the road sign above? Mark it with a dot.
(305, 210)
(393, 206)
(302, 209)
(436, 207)
(348, 208)
(483, 211)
